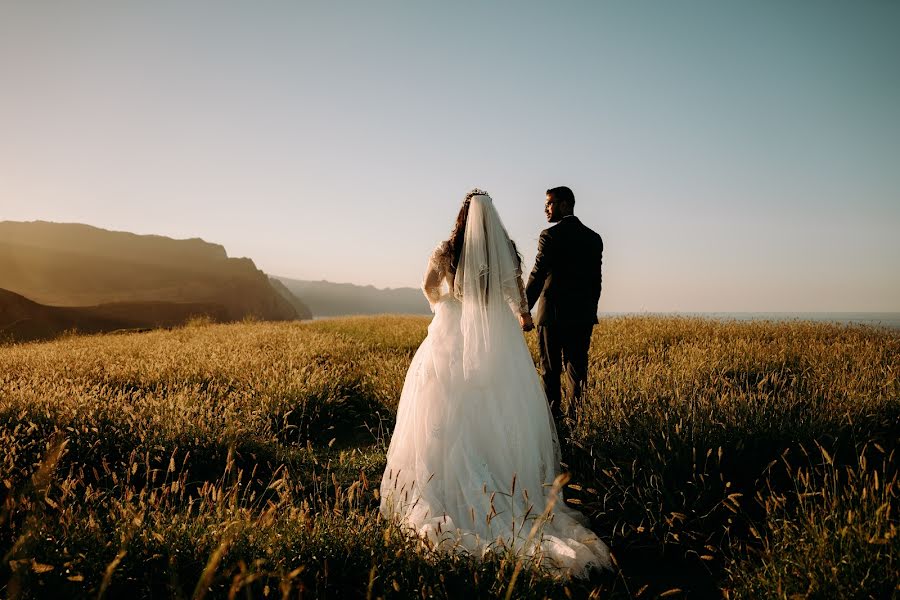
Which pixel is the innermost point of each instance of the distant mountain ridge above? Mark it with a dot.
(303, 311)
(75, 265)
(133, 247)
(327, 299)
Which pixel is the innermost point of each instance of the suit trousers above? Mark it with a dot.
(564, 349)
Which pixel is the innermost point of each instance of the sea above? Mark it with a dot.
(889, 320)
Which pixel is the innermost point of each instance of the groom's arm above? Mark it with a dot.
(539, 272)
(597, 280)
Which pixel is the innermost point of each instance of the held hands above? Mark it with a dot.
(526, 322)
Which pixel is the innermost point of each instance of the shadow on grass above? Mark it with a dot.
(677, 510)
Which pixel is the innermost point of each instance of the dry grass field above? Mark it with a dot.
(744, 460)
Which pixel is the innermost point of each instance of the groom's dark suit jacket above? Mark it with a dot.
(567, 273)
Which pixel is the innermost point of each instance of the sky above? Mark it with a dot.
(734, 156)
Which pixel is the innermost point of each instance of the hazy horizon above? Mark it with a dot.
(735, 158)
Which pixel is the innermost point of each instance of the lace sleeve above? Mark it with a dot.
(516, 297)
(435, 273)
(523, 301)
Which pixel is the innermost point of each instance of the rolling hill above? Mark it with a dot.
(22, 320)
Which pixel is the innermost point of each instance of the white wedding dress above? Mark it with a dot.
(474, 452)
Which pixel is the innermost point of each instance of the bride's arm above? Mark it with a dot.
(434, 275)
(523, 301)
(431, 285)
(516, 299)
(519, 304)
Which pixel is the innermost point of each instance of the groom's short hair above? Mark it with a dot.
(562, 194)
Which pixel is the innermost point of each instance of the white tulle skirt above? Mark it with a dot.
(472, 460)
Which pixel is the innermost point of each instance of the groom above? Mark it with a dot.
(567, 277)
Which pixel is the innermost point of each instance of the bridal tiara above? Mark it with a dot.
(475, 192)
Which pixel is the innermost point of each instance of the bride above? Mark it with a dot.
(474, 453)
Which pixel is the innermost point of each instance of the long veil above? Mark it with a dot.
(487, 281)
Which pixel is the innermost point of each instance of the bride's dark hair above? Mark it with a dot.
(457, 237)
